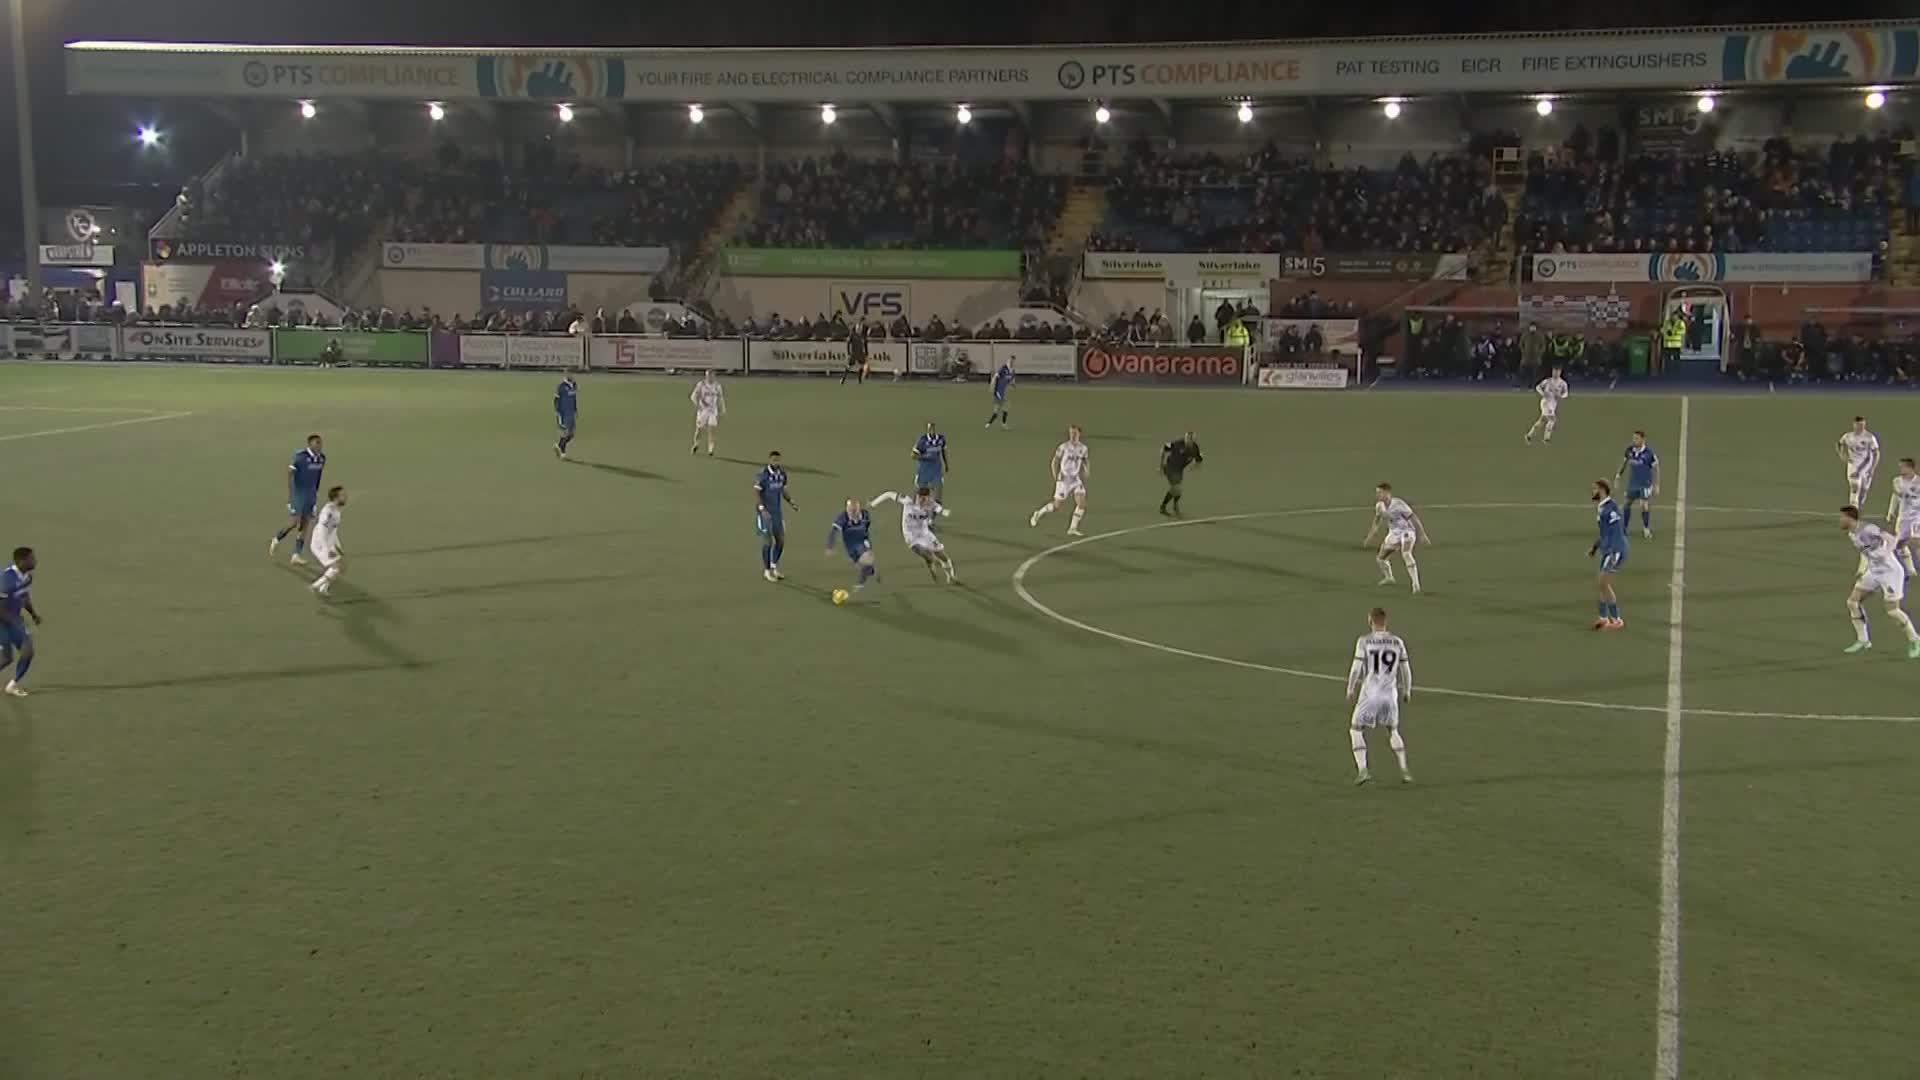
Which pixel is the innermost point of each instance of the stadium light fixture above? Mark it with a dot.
(149, 135)
(1705, 102)
(963, 116)
(1245, 112)
(1875, 99)
(565, 113)
(1102, 114)
(828, 114)
(307, 110)
(1391, 109)
(436, 111)
(696, 114)
(1544, 106)
(278, 269)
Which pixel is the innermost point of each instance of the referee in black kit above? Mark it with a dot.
(1174, 459)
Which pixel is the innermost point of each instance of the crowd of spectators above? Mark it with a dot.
(335, 203)
(1494, 349)
(1815, 354)
(842, 202)
(1267, 202)
(1781, 198)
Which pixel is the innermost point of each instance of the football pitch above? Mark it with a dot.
(556, 785)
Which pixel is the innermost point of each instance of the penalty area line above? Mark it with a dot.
(103, 425)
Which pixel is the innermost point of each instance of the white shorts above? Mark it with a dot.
(326, 556)
(1379, 711)
(1549, 410)
(1891, 584)
(926, 542)
(706, 418)
(1400, 540)
(1909, 528)
(1065, 489)
(1859, 483)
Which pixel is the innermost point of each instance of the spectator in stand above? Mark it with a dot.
(845, 202)
(1196, 331)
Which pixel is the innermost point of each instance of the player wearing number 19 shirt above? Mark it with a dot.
(1071, 468)
(1611, 546)
(1552, 391)
(1380, 679)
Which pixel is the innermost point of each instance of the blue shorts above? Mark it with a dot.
(855, 551)
(304, 504)
(1000, 396)
(566, 422)
(1612, 559)
(926, 478)
(769, 525)
(13, 635)
(1639, 494)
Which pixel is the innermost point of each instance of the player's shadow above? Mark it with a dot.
(360, 614)
(355, 598)
(236, 678)
(798, 470)
(898, 612)
(18, 762)
(627, 471)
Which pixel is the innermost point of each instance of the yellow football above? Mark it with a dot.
(841, 596)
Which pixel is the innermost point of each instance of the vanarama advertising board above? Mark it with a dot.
(1174, 365)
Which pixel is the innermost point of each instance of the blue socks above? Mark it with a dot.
(564, 440)
(20, 669)
(283, 533)
(299, 544)
(1646, 519)
(1609, 610)
(779, 549)
(866, 574)
(766, 555)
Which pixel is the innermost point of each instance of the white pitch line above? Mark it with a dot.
(76, 408)
(1666, 1061)
(94, 427)
(1020, 589)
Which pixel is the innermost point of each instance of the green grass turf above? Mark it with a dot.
(557, 786)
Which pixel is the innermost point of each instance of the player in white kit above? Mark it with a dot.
(1404, 531)
(1904, 511)
(1860, 450)
(325, 544)
(918, 512)
(1381, 678)
(1880, 573)
(1552, 391)
(1071, 469)
(709, 405)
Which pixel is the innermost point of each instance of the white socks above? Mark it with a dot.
(1552, 422)
(1859, 613)
(1906, 559)
(1905, 621)
(1077, 515)
(1400, 751)
(1359, 749)
(1413, 572)
(1386, 570)
(1043, 511)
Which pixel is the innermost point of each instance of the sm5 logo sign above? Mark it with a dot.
(869, 301)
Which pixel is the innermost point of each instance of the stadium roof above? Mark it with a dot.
(1852, 54)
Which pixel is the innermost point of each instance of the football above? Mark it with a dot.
(841, 596)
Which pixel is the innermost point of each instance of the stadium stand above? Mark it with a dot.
(1271, 203)
(838, 202)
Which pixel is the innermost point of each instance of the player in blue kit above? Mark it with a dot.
(16, 607)
(930, 461)
(1641, 467)
(770, 500)
(303, 496)
(1002, 382)
(854, 527)
(566, 413)
(1611, 546)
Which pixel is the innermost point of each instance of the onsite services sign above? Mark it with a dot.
(1384, 266)
(638, 352)
(167, 249)
(1831, 53)
(1180, 267)
(830, 263)
(1302, 378)
(1702, 268)
(198, 343)
(1175, 365)
(573, 258)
